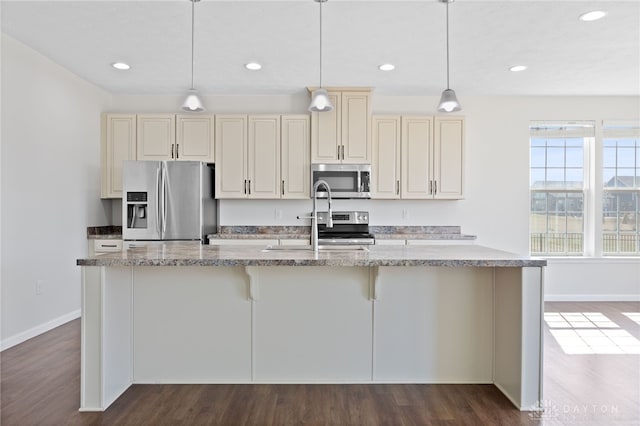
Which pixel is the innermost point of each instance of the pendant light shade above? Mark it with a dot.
(448, 100)
(193, 103)
(320, 101)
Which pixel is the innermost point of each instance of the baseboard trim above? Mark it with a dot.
(10, 342)
(591, 297)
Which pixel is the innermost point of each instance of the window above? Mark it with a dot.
(557, 184)
(621, 189)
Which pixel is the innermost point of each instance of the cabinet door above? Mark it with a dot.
(295, 165)
(356, 147)
(263, 159)
(385, 167)
(448, 162)
(416, 157)
(231, 164)
(195, 138)
(326, 132)
(156, 137)
(118, 144)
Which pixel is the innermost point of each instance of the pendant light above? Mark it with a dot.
(448, 100)
(193, 102)
(320, 101)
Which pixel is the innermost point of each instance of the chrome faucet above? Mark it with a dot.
(314, 214)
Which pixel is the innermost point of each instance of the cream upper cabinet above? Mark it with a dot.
(417, 134)
(342, 135)
(448, 155)
(417, 157)
(248, 156)
(230, 153)
(156, 137)
(295, 157)
(263, 157)
(385, 165)
(195, 138)
(118, 143)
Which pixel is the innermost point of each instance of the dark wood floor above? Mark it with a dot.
(40, 385)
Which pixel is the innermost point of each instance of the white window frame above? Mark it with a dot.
(589, 138)
(593, 189)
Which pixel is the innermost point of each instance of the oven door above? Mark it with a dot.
(345, 180)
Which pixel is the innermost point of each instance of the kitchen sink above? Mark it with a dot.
(332, 247)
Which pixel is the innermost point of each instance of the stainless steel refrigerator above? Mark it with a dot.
(167, 201)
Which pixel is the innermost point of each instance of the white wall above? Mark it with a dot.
(50, 188)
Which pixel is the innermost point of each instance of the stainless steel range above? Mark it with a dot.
(349, 227)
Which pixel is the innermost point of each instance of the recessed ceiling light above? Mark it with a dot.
(387, 67)
(517, 68)
(594, 15)
(253, 66)
(120, 66)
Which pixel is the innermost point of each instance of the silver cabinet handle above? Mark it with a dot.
(108, 245)
(282, 191)
(172, 150)
(397, 187)
(435, 187)
(245, 186)
(430, 187)
(249, 186)
(177, 151)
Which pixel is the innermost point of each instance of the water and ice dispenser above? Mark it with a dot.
(137, 210)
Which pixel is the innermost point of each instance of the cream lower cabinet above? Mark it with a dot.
(176, 137)
(118, 143)
(342, 135)
(417, 157)
(262, 156)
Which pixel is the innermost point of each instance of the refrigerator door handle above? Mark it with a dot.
(164, 199)
(158, 201)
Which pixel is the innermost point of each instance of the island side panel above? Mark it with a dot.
(518, 343)
(313, 325)
(441, 318)
(192, 325)
(106, 336)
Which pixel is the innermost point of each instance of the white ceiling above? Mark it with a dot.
(565, 56)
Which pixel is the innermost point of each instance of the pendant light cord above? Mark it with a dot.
(447, 45)
(321, 1)
(193, 4)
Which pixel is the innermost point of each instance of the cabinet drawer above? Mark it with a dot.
(106, 246)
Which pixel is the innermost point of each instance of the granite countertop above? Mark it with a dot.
(380, 232)
(104, 232)
(194, 254)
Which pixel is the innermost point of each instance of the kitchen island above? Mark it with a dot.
(189, 313)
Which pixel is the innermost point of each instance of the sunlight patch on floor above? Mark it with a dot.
(591, 333)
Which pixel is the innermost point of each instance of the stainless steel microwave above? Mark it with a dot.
(345, 180)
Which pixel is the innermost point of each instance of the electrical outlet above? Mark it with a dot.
(39, 285)
(277, 214)
(405, 214)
